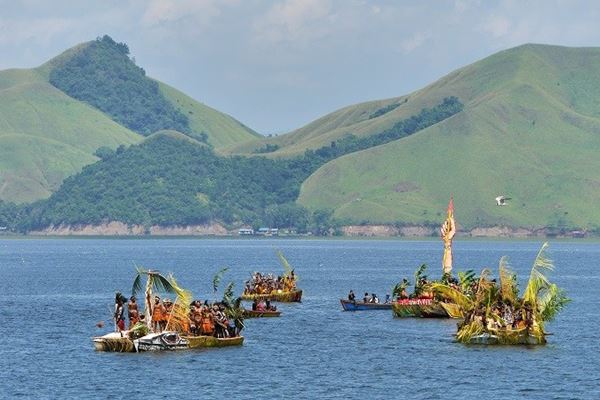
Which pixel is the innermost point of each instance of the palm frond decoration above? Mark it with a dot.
(551, 302)
(466, 279)
(137, 282)
(217, 279)
(508, 281)
(419, 274)
(155, 280)
(178, 320)
(228, 295)
(453, 295)
(400, 287)
(537, 278)
(284, 262)
(236, 313)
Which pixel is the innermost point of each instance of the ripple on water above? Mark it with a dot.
(54, 292)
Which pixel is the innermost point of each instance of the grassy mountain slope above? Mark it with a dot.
(46, 136)
(222, 130)
(60, 134)
(530, 129)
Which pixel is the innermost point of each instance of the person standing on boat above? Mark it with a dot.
(158, 315)
(207, 326)
(351, 296)
(132, 312)
(119, 313)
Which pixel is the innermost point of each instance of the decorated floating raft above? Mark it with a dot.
(495, 314)
(516, 337)
(348, 305)
(176, 333)
(116, 342)
(261, 314)
(294, 296)
(419, 308)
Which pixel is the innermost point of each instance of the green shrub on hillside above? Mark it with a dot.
(103, 75)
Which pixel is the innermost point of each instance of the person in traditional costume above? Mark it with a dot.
(119, 313)
(158, 315)
(207, 325)
(133, 312)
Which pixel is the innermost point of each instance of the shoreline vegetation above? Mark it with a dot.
(118, 229)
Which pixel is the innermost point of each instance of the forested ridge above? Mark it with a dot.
(173, 180)
(103, 75)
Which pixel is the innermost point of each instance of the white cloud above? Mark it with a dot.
(296, 21)
(497, 26)
(413, 42)
(199, 12)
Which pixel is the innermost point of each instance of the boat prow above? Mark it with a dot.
(161, 341)
(114, 342)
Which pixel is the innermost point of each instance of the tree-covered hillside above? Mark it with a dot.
(168, 180)
(103, 75)
(47, 135)
(171, 179)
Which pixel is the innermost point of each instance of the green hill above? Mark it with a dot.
(529, 130)
(146, 185)
(47, 135)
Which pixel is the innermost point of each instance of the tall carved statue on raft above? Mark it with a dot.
(448, 231)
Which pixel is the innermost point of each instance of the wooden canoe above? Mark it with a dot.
(261, 314)
(418, 308)
(294, 296)
(348, 305)
(197, 342)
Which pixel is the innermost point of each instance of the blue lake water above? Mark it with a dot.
(54, 291)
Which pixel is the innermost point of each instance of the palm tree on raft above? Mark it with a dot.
(158, 283)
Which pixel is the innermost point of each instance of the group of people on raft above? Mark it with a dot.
(267, 284)
(203, 318)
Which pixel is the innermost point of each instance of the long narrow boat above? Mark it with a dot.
(261, 314)
(420, 308)
(294, 296)
(196, 342)
(348, 305)
(115, 342)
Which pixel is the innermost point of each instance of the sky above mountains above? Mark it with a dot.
(276, 65)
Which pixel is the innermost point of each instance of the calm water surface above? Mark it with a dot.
(54, 291)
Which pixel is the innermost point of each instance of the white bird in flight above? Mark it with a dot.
(501, 200)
